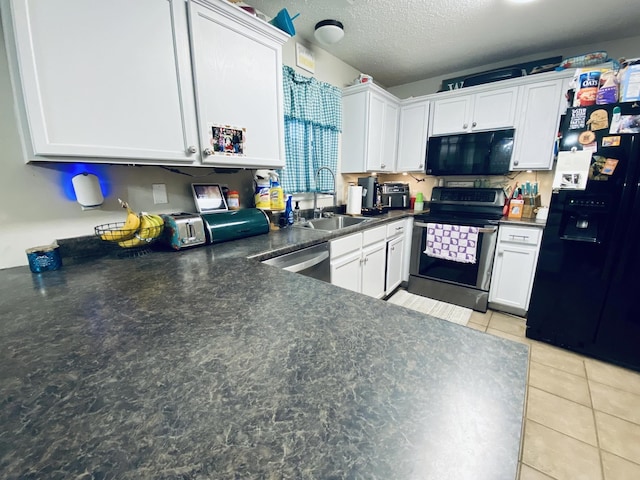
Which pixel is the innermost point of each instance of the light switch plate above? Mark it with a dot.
(159, 193)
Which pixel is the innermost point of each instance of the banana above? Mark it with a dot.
(150, 228)
(128, 230)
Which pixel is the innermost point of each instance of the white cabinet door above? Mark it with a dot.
(412, 137)
(537, 126)
(487, 110)
(451, 115)
(375, 133)
(494, 109)
(514, 267)
(104, 79)
(369, 130)
(373, 268)
(346, 272)
(512, 275)
(395, 262)
(389, 136)
(238, 81)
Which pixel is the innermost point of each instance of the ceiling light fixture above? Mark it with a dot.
(329, 32)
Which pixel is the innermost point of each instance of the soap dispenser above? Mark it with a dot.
(296, 213)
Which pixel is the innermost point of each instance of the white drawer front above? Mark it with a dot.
(374, 235)
(343, 245)
(396, 228)
(520, 235)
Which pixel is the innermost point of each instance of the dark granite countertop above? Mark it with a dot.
(203, 364)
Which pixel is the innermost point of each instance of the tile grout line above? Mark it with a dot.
(595, 421)
(524, 413)
(563, 434)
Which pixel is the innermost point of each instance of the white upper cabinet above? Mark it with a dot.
(487, 110)
(412, 136)
(237, 64)
(369, 129)
(112, 81)
(537, 125)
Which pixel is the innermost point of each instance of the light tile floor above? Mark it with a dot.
(582, 416)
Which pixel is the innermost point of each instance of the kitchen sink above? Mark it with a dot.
(331, 224)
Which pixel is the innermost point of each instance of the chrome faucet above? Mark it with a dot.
(317, 212)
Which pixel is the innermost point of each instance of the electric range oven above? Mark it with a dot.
(464, 284)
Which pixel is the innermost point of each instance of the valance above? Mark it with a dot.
(311, 100)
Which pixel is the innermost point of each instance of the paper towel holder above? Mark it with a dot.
(87, 189)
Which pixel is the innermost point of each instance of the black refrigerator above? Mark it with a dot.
(586, 294)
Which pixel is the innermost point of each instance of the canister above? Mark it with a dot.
(44, 258)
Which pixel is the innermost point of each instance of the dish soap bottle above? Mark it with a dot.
(288, 211)
(296, 213)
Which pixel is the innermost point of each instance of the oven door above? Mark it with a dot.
(471, 275)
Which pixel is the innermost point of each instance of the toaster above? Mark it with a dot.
(183, 230)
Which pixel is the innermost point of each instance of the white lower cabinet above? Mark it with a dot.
(373, 265)
(395, 256)
(398, 236)
(514, 268)
(358, 262)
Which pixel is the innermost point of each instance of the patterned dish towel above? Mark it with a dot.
(452, 242)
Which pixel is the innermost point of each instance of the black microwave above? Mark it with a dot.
(483, 153)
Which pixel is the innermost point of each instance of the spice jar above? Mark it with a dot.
(233, 200)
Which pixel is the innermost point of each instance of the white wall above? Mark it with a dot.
(36, 209)
(624, 47)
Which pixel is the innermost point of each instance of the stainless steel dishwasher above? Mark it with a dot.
(312, 262)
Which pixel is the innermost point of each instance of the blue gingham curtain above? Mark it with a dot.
(313, 122)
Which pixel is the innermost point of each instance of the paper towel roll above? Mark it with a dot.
(354, 200)
(87, 188)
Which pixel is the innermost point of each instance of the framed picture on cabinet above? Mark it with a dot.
(227, 139)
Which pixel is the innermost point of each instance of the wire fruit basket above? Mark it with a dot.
(129, 242)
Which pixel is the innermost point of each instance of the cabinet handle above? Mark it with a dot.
(192, 149)
(207, 151)
(383, 166)
(465, 126)
(474, 124)
(421, 165)
(515, 162)
(523, 237)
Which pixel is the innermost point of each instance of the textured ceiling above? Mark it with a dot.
(401, 41)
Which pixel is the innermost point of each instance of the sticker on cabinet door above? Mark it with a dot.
(226, 139)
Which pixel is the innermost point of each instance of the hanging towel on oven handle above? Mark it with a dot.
(458, 243)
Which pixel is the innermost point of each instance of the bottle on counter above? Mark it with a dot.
(233, 200)
(296, 213)
(288, 211)
(276, 193)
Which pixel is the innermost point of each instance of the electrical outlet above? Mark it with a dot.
(159, 193)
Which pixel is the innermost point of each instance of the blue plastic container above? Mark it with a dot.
(44, 258)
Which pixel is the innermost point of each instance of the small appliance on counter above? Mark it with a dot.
(371, 196)
(370, 192)
(183, 230)
(395, 195)
(223, 226)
